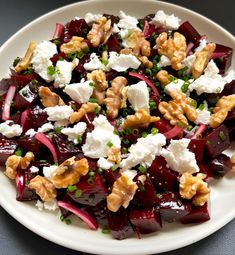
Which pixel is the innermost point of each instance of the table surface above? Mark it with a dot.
(15, 239)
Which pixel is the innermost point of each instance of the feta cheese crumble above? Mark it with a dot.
(164, 61)
(49, 171)
(127, 22)
(46, 127)
(203, 115)
(138, 96)
(104, 163)
(177, 84)
(34, 169)
(90, 17)
(144, 151)
(57, 112)
(51, 205)
(94, 63)
(96, 145)
(202, 45)
(74, 132)
(179, 158)
(41, 59)
(31, 132)
(10, 130)
(171, 22)
(79, 92)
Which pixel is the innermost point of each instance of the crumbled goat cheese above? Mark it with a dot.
(104, 163)
(90, 17)
(41, 59)
(203, 115)
(49, 171)
(115, 29)
(210, 82)
(94, 63)
(177, 84)
(121, 62)
(96, 145)
(34, 169)
(188, 62)
(61, 123)
(80, 92)
(169, 21)
(10, 130)
(130, 174)
(74, 132)
(127, 22)
(46, 127)
(179, 158)
(202, 45)
(144, 151)
(31, 132)
(51, 205)
(39, 205)
(138, 96)
(230, 76)
(64, 71)
(164, 61)
(57, 112)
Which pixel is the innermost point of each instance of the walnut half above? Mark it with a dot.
(49, 98)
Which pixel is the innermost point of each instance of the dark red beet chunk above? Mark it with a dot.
(119, 224)
(31, 144)
(172, 207)
(7, 148)
(91, 191)
(100, 213)
(189, 32)
(229, 88)
(145, 195)
(205, 169)
(217, 141)
(197, 214)
(21, 80)
(220, 165)
(111, 176)
(146, 220)
(23, 192)
(161, 176)
(78, 27)
(113, 44)
(197, 147)
(163, 125)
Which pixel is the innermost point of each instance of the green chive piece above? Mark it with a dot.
(144, 134)
(79, 139)
(201, 107)
(189, 127)
(180, 124)
(91, 174)
(154, 131)
(93, 100)
(100, 170)
(222, 135)
(193, 103)
(126, 141)
(110, 144)
(142, 169)
(78, 193)
(105, 230)
(71, 188)
(208, 142)
(148, 72)
(19, 152)
(114, 167)
(124, 150)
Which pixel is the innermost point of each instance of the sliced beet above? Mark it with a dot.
(21, 80)
(89, 191)
(145, 195)
(205, 169)
(114, 44)
(119, 224)
(163, 125)
(217, 141)
(114, 19)
(23, 192)
(189, 32)
(7, 148)
(111, 176)
(229, 88)
(78, 27)
(197, 214)
(197, 147)
(100, 212)
(162, 176)
(172, 207)
(29, 143)
(147, 220)
(220, 165)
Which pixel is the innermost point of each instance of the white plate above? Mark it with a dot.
(77, 236)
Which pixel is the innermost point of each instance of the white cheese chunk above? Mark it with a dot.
(169, 21)
(41, 59)
(31, 132)
(204, 115)
(127, 22)
(46, 127)
(90, 17)
(202, 45)
(94, 63)
(49, 171)
(179, 158)
(130, 174)
(115, 29)
(138, 96)
(10, 130)
(104, 163)
(164, 61)
(51, 205)
(96, 145)
(57, 112)
(144, 151)
(74, 132)
(177, 84)
(79, 92)
(121, 62)
(188, 62)
(34, 169)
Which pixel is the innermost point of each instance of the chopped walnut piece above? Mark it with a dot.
(124, 97)
(43, 187)
(123, 192)
(223, 106)
(49, 98)
(174, 48)
(175, 109)
(163, 76)
(194, 187)
(69, 172)
(15, 163)
(74, 45)
(233, 162)
(99, 78)
(25, 61)
(141, 119)
(114, 155)
(85, 108)
(146, 62)
(202, 59)
(113, 98)
(100, 32)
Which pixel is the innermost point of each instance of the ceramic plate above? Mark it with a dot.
(77, 236)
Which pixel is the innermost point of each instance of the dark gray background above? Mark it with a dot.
(15, 239)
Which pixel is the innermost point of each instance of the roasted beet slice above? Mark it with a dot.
(229, 88)
(111, 176)
(119, 224)
(197, 214)
(163, 125)
(162, 176)
(23, 192)
(172, 207)
(145, 195)
(197, 147)
(100, 212)
(220, 165)
(146, 220)
(189, 32)
(217, 141)
(205, 169)
(21, 80)
(89, 191)
(7, 148)
(78, 27)
(114, 44)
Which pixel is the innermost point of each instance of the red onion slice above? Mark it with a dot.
(23, 118)
(201, 129)
(146, 29)
(7, 103)
(189, 48)
(88, 219)
(58, 31)
(176, 130)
